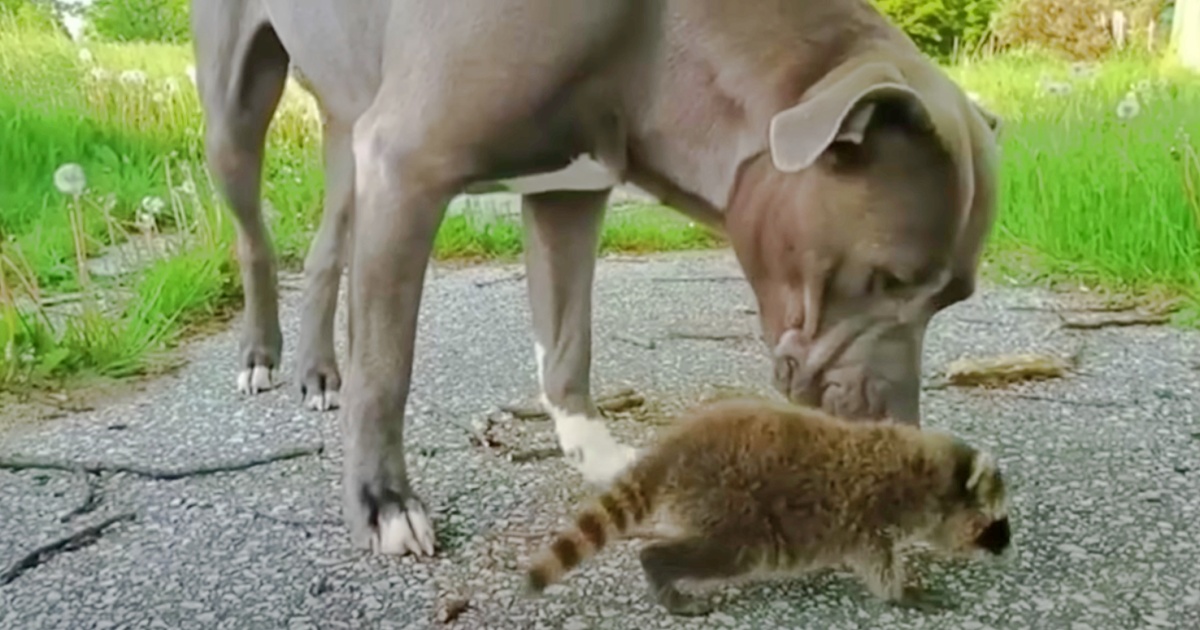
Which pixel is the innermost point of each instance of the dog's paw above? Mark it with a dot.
(591, 449)
(404, 530)
(389, 524)
(255, 380)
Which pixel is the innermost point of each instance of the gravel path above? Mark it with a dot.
(1105, 464)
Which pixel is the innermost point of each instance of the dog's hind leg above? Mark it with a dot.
(562, 231)
(316, 362)
(241, 68)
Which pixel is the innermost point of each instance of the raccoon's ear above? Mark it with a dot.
(982, 473)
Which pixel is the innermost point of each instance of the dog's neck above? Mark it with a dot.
(714, 90)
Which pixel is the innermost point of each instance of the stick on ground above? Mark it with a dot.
(91, 501)
(161, 474)
(78, 540)
(1110, 320)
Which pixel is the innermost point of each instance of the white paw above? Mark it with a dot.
(589, 447)
(403, 531)
(255, 380)
(323, 401)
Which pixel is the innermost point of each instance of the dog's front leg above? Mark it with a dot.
(562, 234)
(399, 203)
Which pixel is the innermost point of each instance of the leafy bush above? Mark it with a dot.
(938, 26)
(27, 16)
(141, 20)
(1077, 29)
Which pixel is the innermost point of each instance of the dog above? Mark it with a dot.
(855, 182)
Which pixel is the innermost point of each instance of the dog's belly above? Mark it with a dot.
(583, 173)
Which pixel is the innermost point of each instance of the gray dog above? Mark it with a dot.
(856, 183)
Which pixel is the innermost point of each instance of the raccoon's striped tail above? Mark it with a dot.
(623, 506)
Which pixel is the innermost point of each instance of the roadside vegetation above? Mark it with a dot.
(114, 244)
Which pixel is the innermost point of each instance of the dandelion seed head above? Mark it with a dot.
(1082, 69)
(1052, 87)
(69, 179)
(153, 205)
(158, 97)
(191, 73)
(1128, 107)
(96, 73)
(145, 221)
(85, 55)
(170, 85)
(132, 77)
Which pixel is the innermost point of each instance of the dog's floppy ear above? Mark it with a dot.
(837, 112)
(993, 121)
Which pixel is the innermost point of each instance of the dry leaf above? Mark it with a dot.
(453, 609)
(1116, 318)
(1005, 369)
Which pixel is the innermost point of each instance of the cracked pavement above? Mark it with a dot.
(1105, 467)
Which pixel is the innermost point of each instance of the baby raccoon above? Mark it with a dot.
(751, 488)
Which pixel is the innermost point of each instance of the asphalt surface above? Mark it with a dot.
(1105, 467)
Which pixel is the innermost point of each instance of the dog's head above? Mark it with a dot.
(864, 218)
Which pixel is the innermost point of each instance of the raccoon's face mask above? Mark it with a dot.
(978, 519)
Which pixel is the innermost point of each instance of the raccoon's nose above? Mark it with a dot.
(996, 537)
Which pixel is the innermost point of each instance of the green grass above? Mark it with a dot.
(1085, 194)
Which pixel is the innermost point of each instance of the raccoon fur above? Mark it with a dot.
(747, 488)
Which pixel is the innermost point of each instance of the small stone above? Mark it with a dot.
(723, 619)
(1073, 550)
(575, 623)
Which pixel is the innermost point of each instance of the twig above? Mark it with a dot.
(1100, 308)
(636, 341)
(703, 336)
(161, 474)
(74, 542)
(293, 522)
(524, 534)
(699, 279)
(90, 502)
(528, 455)
(620, 258)
(622, 400)
(524, 412)
(453, 609)
(515, 277)
(1065, 401)
(1117, 319)
(616, 402)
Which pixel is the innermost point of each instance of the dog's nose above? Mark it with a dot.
(790, 381)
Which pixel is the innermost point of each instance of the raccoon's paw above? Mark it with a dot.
(682, 605)
(925, 600)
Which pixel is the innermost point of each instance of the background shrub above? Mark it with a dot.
(26, 16)
(1077, 29)
(938, 26)
(141, 20)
